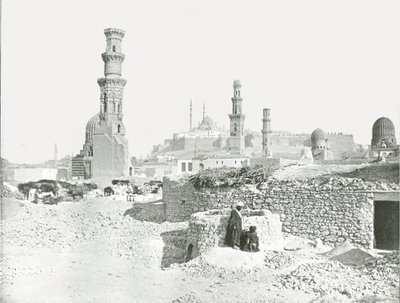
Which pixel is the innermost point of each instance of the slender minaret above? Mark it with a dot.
(110, 153)
(204, 110)
(266, 133)
(55, 155)
(112, 85)
(237, 120)
(190, 129)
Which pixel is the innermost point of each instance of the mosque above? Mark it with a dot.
(105, 151)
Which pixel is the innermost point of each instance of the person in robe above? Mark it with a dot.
(234, 229)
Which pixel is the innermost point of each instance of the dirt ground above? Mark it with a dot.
(95, 251)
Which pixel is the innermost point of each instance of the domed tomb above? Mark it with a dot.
(383, 133)
(318, 139)
(91, 128)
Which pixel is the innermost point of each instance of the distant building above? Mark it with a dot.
(383, 142)
(105, 152)
(197, 164)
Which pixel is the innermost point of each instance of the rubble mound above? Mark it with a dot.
(278, 259)
(9, 191)
(188, 298)
(385, 172)
(338, 250)
(347, 254)
(92, 226)
(386, 267)
(153, 212)
(332, 277)
(330, 183)
(231, 177)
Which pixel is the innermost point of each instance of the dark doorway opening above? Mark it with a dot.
(386, 225)
(189, 253)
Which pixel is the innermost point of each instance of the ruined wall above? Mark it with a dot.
(331, 209)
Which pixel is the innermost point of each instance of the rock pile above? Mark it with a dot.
(9, 191)
(386, 268)
(330, 183)
(188, 298)
(278, 259)
(332, 277)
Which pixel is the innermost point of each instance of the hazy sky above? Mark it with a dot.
(328, 64)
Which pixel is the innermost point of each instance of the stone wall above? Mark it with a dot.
(331, 209)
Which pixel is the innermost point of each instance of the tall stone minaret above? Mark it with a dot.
(110, 155)
(266, 133)
(204, 110)
(55, 155)
(112, 85)
(190, 128)
(236, 141)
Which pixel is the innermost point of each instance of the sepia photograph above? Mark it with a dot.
(197, 151)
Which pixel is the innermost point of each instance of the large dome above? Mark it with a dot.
(91, 127)
(383, 129)
(318, 134)
(207, 124)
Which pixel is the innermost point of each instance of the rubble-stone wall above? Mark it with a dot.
(208, 229)
(331, 209)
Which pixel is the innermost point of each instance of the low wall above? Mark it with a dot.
(331, 209)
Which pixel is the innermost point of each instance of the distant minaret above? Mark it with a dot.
(204, 110)
(266, 133)
(55, 155)
(190, 129)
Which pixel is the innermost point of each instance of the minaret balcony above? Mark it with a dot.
(112, 56)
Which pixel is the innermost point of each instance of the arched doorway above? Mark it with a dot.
(201, 166)
(119, 128)
(130, 171)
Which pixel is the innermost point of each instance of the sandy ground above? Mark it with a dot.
(90, 252)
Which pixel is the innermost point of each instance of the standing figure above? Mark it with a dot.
(234, 230)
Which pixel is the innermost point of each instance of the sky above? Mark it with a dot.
(333, 65)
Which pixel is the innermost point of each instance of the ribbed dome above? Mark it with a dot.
(383, 127)
(383, 130)
(318, 134)
(91, 127)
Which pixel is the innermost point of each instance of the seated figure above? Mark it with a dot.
(249, 240)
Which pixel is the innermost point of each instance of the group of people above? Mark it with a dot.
(238, 238)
